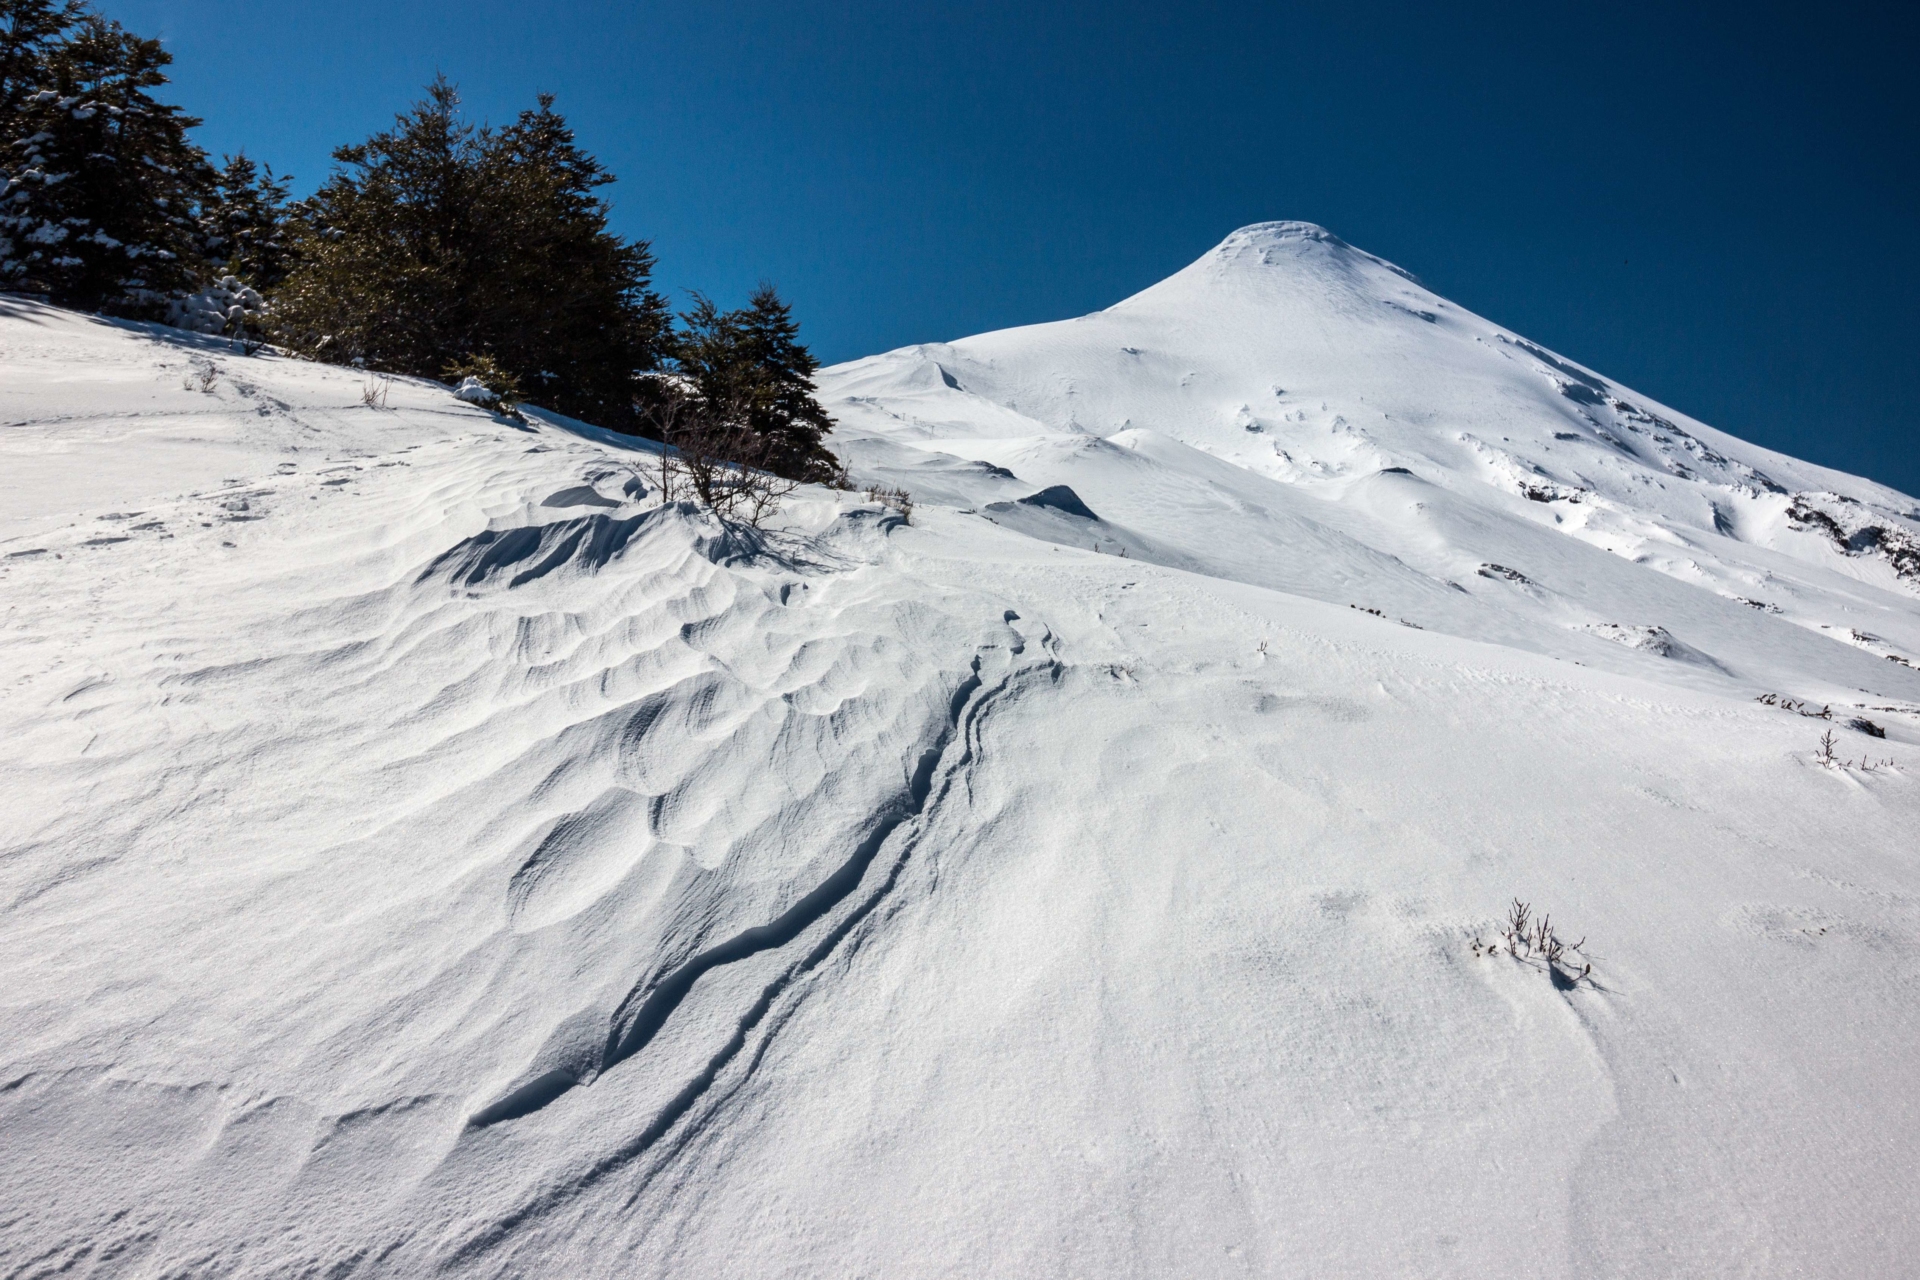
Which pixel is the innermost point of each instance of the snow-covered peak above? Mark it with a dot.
(1270, 243)
(1269, 258)
(1284, 244)
(1277, 231)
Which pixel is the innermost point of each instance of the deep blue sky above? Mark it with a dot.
(1712, 203)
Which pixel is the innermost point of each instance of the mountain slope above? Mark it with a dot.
(423, 852)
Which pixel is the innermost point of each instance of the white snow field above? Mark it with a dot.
(424, 853)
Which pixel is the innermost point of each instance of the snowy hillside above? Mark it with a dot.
(422, 852)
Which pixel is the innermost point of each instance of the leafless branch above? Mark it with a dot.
(711, 453)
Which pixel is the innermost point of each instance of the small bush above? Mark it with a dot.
(1527, 937)
(226, 307)
(479, 379)
(712, 453)
(1829, 758)
(896, 499)
(1825, 756)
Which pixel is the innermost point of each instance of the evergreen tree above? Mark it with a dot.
(752, 360)
(98, 182)
(243, 229)
(437, 242)
(567, 308)
(386, 244)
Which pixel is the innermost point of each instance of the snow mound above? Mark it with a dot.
(474, 391)
(1649, 639)
(1062, 499)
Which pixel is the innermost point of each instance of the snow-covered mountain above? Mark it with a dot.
(424, 852)
(1293, 413)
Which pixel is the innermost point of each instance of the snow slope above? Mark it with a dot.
(423, 852)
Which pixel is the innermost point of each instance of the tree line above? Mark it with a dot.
(437, 247)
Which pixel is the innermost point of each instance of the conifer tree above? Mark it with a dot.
(567, 308)
(753, 358)
(98, 181)
(437, 242)
(386, 245)
(243, 229)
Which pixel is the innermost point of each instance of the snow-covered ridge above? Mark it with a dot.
(424, 852)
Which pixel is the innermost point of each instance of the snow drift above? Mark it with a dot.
(424, 852)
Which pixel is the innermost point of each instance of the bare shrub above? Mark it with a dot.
(1548, 945)
(896, 498)
(711, 453)
(1800, 708)
(374, 393)
(1531, 938)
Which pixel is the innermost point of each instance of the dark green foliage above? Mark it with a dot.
(485, 370)
(438, 240)
(384, 244)
(568, 307)
(751, 364)
(29, 31)
(243, 224)
(100, 184)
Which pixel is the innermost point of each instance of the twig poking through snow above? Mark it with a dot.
(1528, 938)
(1825, 756)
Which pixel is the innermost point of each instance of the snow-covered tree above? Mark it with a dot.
(228, 305)
(99, 185)
(243, 223)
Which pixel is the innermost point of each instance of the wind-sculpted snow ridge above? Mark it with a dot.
(425, 852)
(648, 1008)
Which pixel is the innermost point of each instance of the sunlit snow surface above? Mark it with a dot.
(422, 852)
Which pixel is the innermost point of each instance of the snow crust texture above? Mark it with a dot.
(423, 852)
